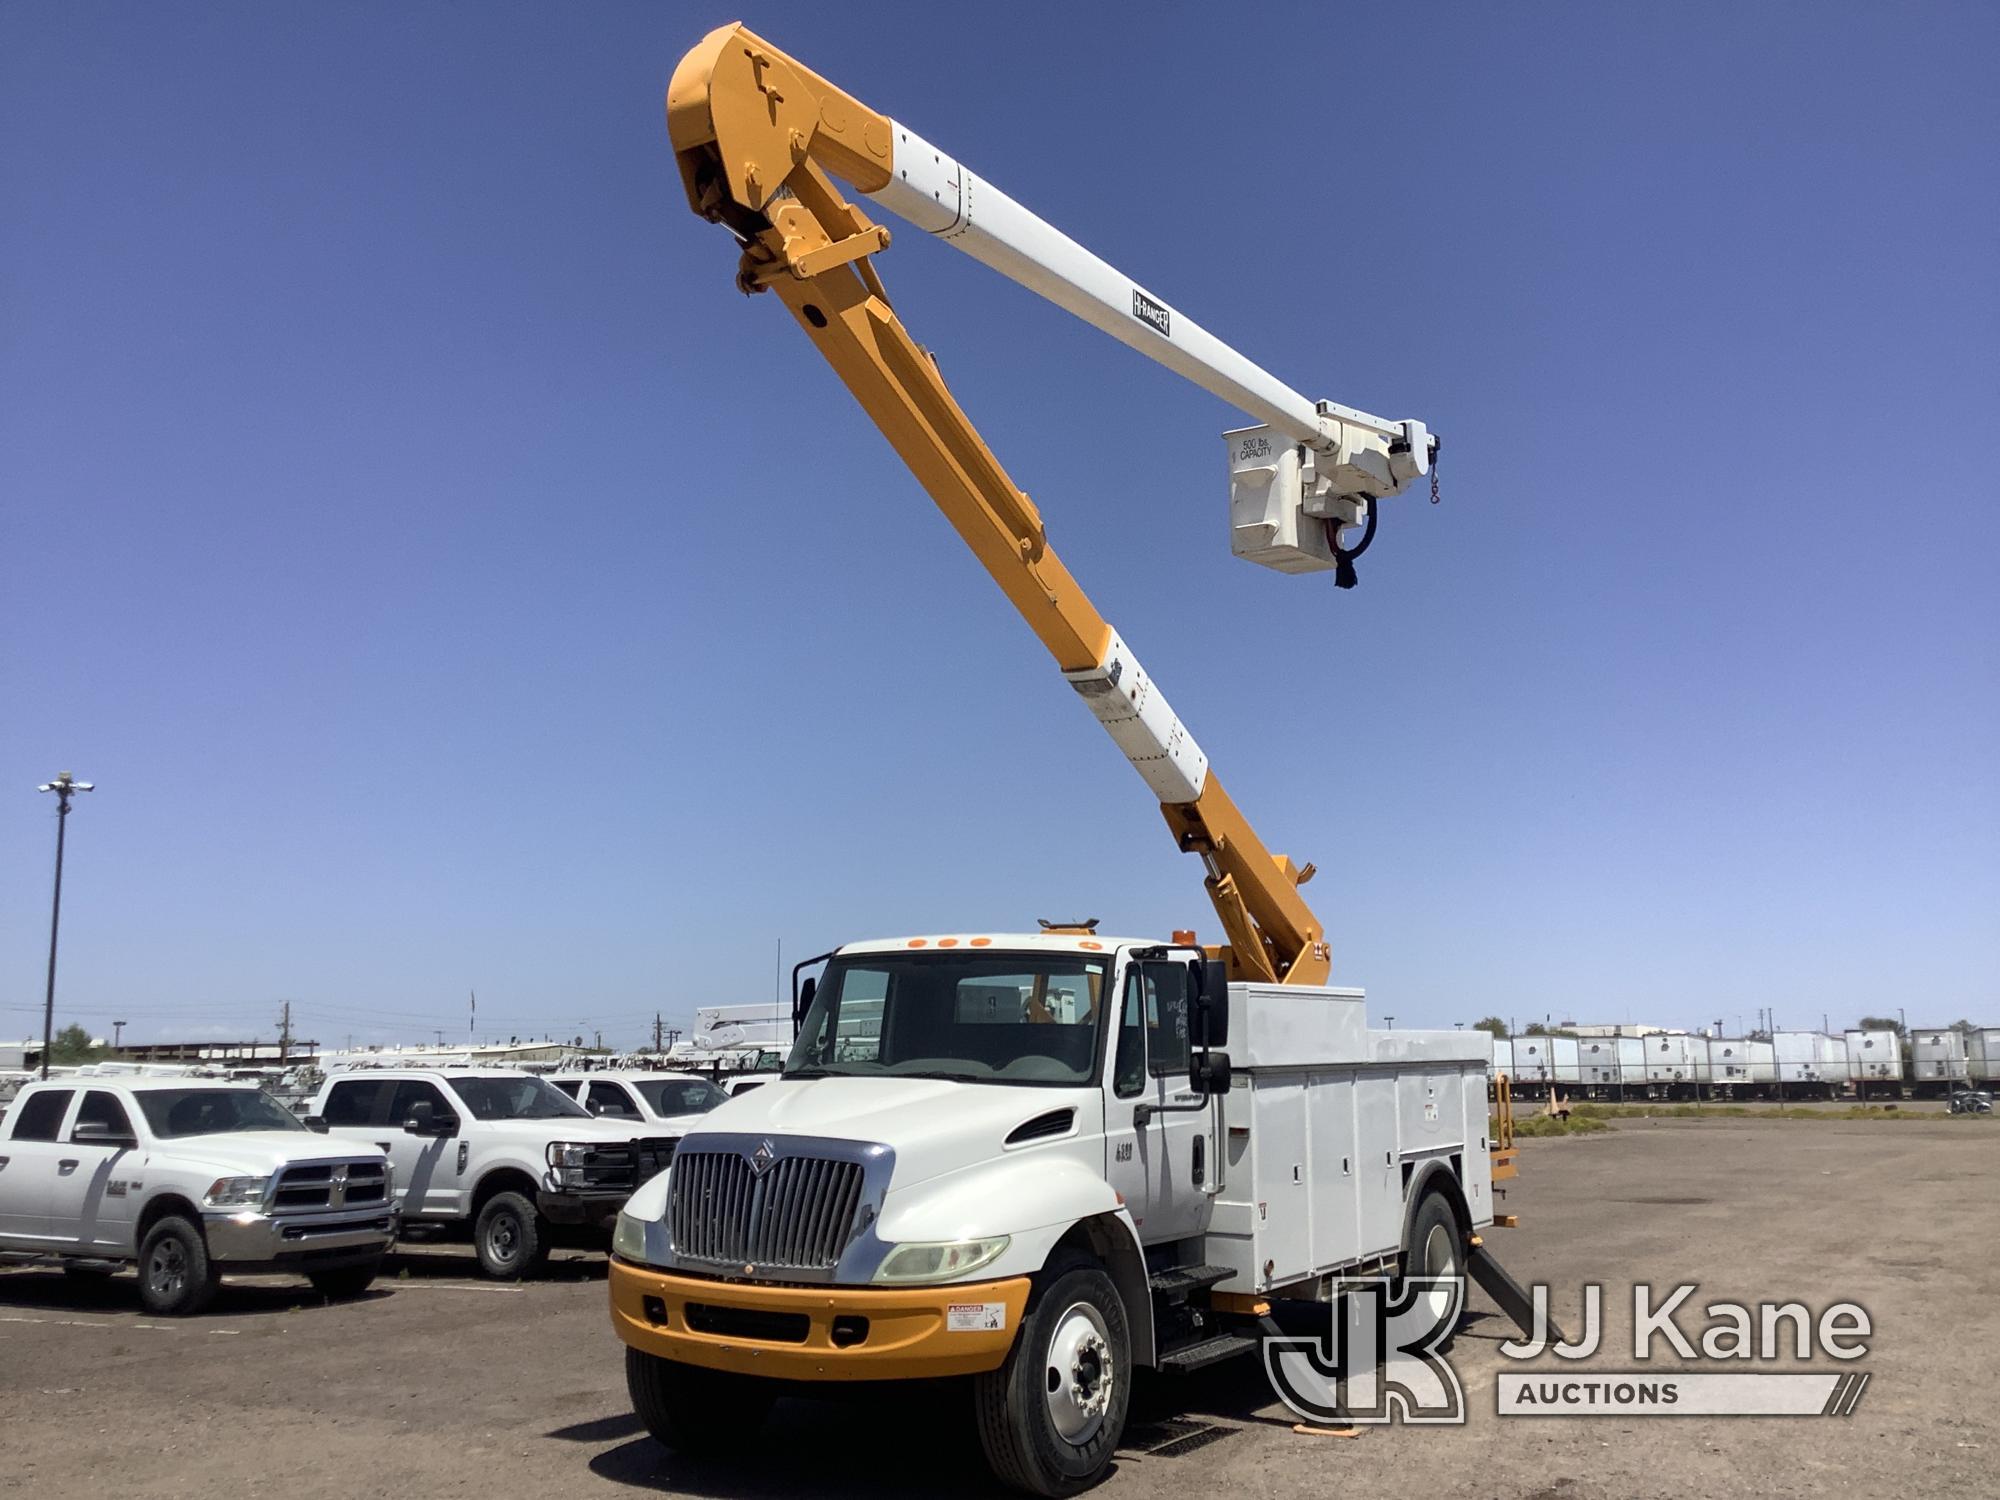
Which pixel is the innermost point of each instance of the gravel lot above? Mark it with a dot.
(439, 1384)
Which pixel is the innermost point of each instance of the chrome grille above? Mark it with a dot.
(321, 1185)
(798, 1214)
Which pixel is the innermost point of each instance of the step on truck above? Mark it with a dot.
(497, 1152)
(187, 1180)
(1030, 1160)
(1033, 1161)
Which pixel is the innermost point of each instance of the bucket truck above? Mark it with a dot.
(1025, 1159)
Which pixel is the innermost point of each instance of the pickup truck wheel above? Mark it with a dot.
(348, 1281)
(1435, 1248)
(509, 1238)
(1051, 1417)
(176, 1277)
(695, 1411)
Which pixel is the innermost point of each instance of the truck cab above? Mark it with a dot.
(501, 1151)
(674, 1102)
(973, 1129)
(188, 1178)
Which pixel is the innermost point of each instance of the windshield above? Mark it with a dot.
(177, 1112)
(679, 1096)
(977, 1017)
(521, 1098)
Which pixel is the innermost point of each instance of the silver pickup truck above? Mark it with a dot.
(188, 1178)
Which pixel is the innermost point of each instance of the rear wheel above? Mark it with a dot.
(509, 1238)
(1053, 1414)
(1436, 1247)
(176, 1277)
(692, 1410)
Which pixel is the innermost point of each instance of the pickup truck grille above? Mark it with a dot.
(622, 1165)
(797, 1214)
(324, 1185)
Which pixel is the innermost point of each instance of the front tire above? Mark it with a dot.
(1051, 1417)
(695, 1411)
(176, 1277)
(510, 1238)
(348, 1281)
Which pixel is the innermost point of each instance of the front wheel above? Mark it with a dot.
(509, 1238)
(695, 1411)
(176, 1277)
(1053, 1414)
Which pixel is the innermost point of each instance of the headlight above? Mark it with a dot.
(940, 1260)
(235, 1192)
(628, 1239)
(568, 1153)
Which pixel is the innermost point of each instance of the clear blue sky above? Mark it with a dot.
(450, 581)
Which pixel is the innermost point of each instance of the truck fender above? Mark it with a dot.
(1435, 1175)
(1041, 1201)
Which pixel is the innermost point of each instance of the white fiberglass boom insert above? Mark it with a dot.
(939, 195)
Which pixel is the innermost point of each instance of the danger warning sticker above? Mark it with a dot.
(975, 1317)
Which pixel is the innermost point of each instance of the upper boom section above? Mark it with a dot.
(776, 113)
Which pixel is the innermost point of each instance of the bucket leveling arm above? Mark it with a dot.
(760, 140)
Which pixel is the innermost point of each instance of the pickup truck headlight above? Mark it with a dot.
(236, 1192)
(939, 1260)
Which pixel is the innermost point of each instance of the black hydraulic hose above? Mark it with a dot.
(1343, 559)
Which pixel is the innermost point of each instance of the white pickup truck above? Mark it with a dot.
(675, 1102)
(188, 1178)
(500, 1151)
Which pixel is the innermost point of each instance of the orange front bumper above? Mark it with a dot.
(913, 1333)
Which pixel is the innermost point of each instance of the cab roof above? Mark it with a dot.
(1089, 943)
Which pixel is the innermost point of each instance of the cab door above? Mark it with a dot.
(429, 1164)
(28, 1158)
(1162, 1164)
(91, 1201)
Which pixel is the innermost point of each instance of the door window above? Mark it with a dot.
(1128, 1076)
(612, 1100)
(411, 1092)
(353, 1101)
(1166, 1017)
(100, 1108)
(40, 1117)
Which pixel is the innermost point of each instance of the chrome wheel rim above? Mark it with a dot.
(1078, 1375)
(1438, 1256)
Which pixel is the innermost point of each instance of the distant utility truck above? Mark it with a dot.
(188, 1179)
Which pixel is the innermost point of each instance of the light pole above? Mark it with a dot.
(64, 786)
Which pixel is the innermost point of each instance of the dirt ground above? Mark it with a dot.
(439, 1384)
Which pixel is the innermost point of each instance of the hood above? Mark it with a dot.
(933, 1125)
(258, 1153)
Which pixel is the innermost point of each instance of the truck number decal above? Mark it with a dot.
(975, 1317)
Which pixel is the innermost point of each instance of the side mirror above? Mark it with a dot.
(803, 1003)
(316, 1124)
(92, 1133)
(596, 1106)
(425, 1120)
(1208, 983)
(1209, 1073)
